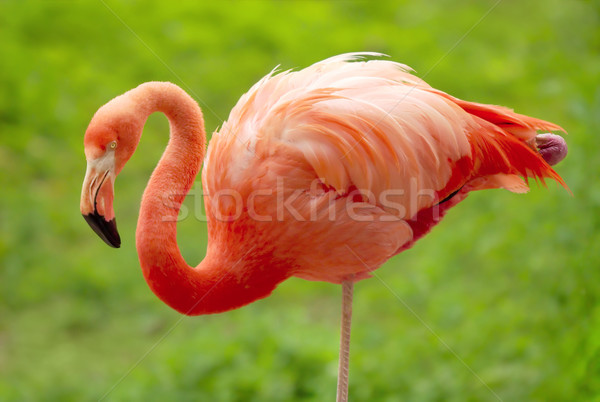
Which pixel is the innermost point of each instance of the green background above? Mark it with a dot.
(500, 301)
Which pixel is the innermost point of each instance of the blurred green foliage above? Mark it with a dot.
(501, 300)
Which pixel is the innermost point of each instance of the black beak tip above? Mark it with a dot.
(107, 230)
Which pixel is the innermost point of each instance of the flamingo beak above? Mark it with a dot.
(97, 200)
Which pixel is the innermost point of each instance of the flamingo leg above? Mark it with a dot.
(342, 385)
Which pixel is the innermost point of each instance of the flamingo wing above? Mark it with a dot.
(372, 127)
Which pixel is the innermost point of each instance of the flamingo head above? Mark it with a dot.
(110, 140)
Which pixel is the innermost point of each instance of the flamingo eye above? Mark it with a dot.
(112, 145)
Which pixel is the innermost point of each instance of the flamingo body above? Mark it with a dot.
(323, 174)
(363, 133)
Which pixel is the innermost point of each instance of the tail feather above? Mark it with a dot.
(496, 151)
(503, 142)
(521, 126)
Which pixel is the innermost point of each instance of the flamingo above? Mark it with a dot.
(323, 174)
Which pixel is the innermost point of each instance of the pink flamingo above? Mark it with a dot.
(322, 174)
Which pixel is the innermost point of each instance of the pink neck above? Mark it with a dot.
(223, 280)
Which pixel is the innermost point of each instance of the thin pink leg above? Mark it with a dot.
(342, 386)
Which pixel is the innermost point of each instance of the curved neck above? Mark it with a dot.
(222, 281)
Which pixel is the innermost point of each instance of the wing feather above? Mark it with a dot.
(373, 126)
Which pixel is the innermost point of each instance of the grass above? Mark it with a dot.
(501, 300)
